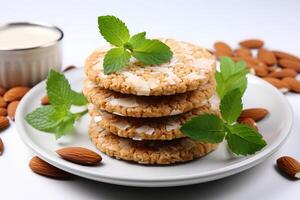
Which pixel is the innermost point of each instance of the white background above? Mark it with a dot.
(201, 22)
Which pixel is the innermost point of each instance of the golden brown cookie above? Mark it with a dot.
(147, 106)
(163, 128)
(190, 67)
(148, 152)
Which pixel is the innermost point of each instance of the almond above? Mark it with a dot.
(289, 64)
(3, 112)
(284, 55)
(222, 49)
(4, 123)
(266, 56)
(279, 84)
(41, 167)
(11, 109)
(250, 122)
(289, 166)
(243, 52)
(283, 73)
(255, 113)
(252, 43)
(2, 91)
(45, 100)
(68, 68)
(79, 155)
(293, 83)
(1, 147)
(3, 103)
(15, 93)
(255, 61)
(259, 70)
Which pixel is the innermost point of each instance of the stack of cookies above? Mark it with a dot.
(137, 112)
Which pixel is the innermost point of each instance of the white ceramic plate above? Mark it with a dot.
(220, 163)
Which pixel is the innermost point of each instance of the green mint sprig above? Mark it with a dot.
(57, 117)
(231, 85)
(147, 51)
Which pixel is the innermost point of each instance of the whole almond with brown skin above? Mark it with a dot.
(243, 52)
(283, 73)
(45, 100)
(255, 61)
(222, 49)
(252, 43)
(11, 109)
(285, 55)
(289, 64)
(2, 91)
(4, 122)
(266, 56)
(41, 167)
(255, 113)
(289, 166)
(79, 155)
(1, 147)
(293, 83)
(15, 93)
(3, 112)
(279, 84)
(250, 122)
(259, 71)
(3, 103)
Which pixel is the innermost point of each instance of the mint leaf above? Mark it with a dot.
(57, 117)
(65, 126)
(231, 105)
(53, 119)
(137, 40)
(60, 93)
(226, 67)
(113, 30)
(206, 128)
(231, 76)
(243, 140)
(115, 59)
(149, 52)
(42, 119)
(152, 52)
(231, 85)
(78, 99)
(58, 89)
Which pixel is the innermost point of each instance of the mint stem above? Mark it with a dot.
(80, 114)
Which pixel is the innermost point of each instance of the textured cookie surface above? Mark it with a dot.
(163, 128)
(190, 67)
(147, 106)
(148, 152)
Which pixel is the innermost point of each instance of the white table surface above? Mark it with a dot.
(202, 22)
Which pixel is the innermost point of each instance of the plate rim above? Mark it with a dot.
(217, 173)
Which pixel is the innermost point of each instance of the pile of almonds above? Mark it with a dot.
(277, 67)
(9, 100)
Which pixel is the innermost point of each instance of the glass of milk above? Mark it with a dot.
(27, 52)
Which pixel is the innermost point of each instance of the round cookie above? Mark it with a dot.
(163, 128)
(148, 152)
(190, 67)
(147, 106)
